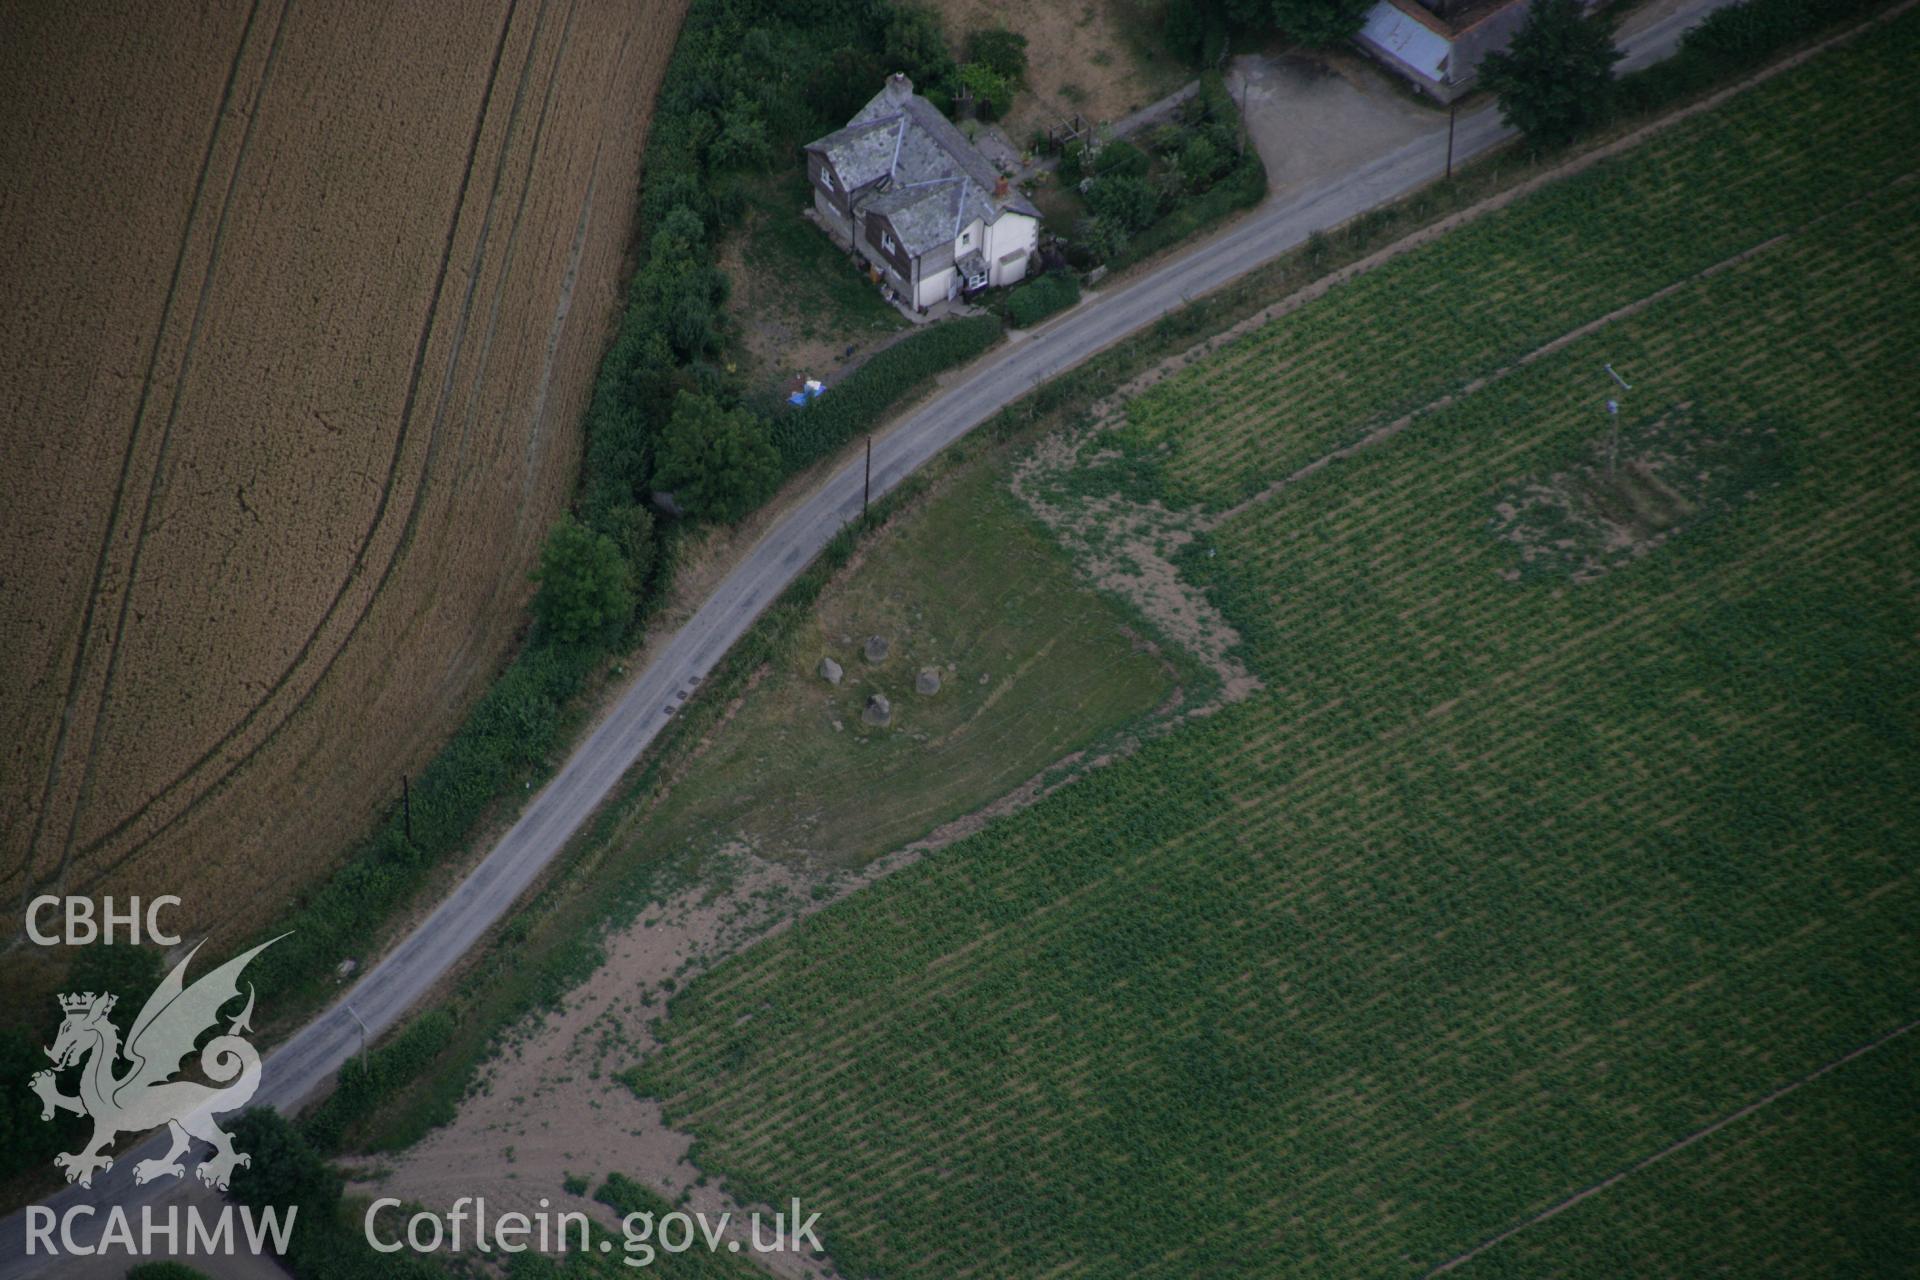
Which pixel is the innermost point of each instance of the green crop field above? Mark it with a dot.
(1579, 810)
(1741, 1201)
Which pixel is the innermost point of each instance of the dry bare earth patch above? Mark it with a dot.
(1100, 58)
(302, 305)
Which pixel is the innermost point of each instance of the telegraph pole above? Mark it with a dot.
(866, 494)
(406, 807)
(1613, 414)
(1453, 113)
(363, 1038)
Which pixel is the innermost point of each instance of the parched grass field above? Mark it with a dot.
(1508, 880)
(1030, 668)
(302, 308)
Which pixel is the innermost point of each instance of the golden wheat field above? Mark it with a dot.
(301, 303)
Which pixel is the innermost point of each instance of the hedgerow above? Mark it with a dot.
(1730, 42)
(806, 433)
(1035, 300)
(365, 1083)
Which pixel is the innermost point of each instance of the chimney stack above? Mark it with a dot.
(899, 88)
(1000, 188)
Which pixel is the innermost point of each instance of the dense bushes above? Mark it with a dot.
(1199, 30)
(1037, 299)
(1244, 186)
(1731, 41)
(810, 432)
(27, 1141)
(367, 1082)
(1198, 172)
(586, 593)
(326, 1242)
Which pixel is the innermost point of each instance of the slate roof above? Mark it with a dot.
(931, 180)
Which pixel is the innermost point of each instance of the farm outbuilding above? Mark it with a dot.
(1438, 45)
(902, 187)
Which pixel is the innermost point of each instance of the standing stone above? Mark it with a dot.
(928, 682)
(879, 711)
(876, 649)
(830, 671)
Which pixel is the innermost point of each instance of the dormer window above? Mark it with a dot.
(826, 179)
(886, 241)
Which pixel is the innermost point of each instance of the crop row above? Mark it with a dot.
(1497, 888)
(1475, 300)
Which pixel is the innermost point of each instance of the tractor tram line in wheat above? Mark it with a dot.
(78, 666)
(511, 134)
(379, 518)
(157, 479)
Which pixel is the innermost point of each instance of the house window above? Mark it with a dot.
(886, 242)
(966, 238)
(826, 179)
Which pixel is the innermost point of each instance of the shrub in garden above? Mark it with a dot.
(1037, 299)
(1001, 50)
(1127, 201)
(1121, 159)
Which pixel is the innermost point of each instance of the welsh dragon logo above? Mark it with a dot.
(144, 1097)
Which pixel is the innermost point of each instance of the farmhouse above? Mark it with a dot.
(906, 190)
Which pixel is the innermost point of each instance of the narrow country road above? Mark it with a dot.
(301, 1065)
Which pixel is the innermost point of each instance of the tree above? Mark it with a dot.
(1202, 163)
(1555, 79)
(1128, 202)
(586, 589)
(742, 140)
(992, 92)
(1321, 23)
(1002, 51)
(842, 82)
(717, 462)
(1196, 31)
(285, 1169)
(1103, 238)
(914, 44)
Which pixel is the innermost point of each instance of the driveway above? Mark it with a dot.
(1313, 121)
(302, 1066)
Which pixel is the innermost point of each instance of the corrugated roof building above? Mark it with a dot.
(902, 186)
(1441, 52)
